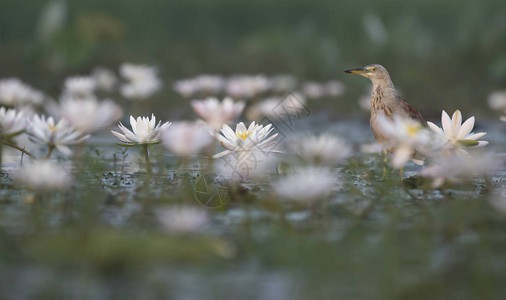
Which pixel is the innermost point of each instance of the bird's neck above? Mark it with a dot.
(383, 98)
(383, 89)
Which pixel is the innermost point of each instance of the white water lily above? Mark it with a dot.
(206, 84)
(406, 138)
(12, 122)
(144, 131)
(186, 87)
(264, 108)
(497, 101)
(142, 81)
(306, 185)
(79, 86)
(247, 165)
(217, 113)
(254, 138)
(458, 168)
(209, 83)
(335, 88)
(278, 108)
(456, 134)
(42, 175)
(312, 89)
(89, 114)
(325, 149)
(283, 83)
(13, 92)
(331, 88)
(55, 135)
(246, 86)
(104, 79)
(185, 138)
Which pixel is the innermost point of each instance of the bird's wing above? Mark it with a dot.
(411, 111)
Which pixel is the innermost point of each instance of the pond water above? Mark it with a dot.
(373, 237)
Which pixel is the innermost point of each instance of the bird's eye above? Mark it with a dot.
(373, 69)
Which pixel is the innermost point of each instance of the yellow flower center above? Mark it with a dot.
(243, 134)
(52, 127)
(412, 130)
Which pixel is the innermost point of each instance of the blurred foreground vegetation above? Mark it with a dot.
(376, 239)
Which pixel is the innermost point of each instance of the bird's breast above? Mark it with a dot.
(382, 103)
(379, 136)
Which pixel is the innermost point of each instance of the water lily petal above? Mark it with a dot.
(228, 132)
(435, 128)
(466, 128)
(401, 156)
(252, 126)
(226, 143)
(240, 128)
(120, 136)
(133, 124)
(221, 154)
(446, 123)
(456, 123)
(476, 136)
(64, 149)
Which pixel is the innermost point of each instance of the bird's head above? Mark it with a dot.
(373, 72)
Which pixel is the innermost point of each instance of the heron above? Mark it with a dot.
(385, 100)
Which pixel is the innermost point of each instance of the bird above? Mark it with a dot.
(385, 100)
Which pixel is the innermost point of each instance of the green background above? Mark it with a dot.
(441, 54)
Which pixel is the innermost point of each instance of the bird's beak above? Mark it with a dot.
(357, 71)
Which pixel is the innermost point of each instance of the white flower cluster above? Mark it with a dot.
(203, 84)
(70, 121)
(11, 122)
(442, 146)
(306, 185)
(238, 86)
(42, 175)
(15, 93)
(275, 108)
(324, 150)
(89, 114)
(187, 138)
(332, 88)
(308, 172)
(252, 86)
(217, 113)
(142, 81)
(79, 87)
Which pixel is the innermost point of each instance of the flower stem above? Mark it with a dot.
(1, 152)
(17, 148)
(146, 157)
(51, 148)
